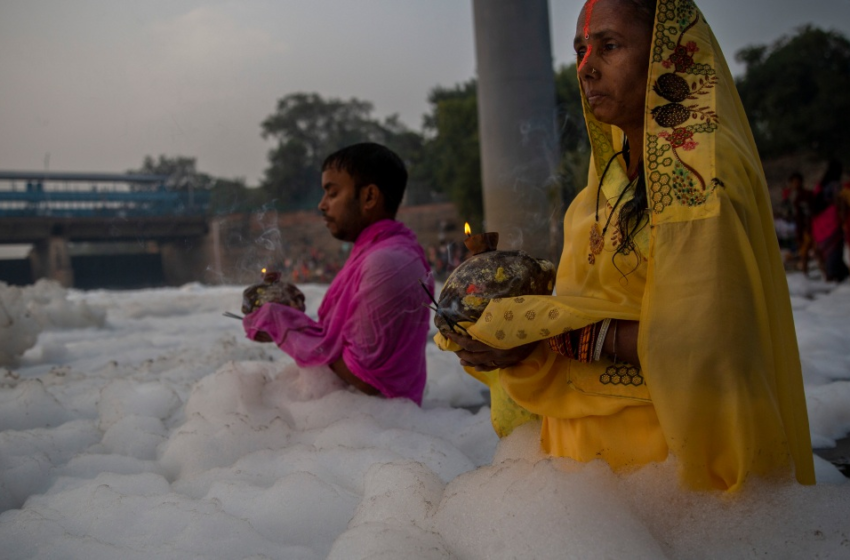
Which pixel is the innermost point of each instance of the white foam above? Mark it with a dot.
(18, 328)
(163, 432)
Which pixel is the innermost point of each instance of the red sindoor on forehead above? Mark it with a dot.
(584, 58)
(588, 13)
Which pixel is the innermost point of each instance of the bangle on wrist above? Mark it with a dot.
(562, 344)
(600, 340)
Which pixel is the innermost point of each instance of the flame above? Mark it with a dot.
(466, 229)
(263, 271)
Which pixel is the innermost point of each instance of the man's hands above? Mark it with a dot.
(262, 336)
(478, 355)
(284, 293)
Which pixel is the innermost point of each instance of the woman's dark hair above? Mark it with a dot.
(633, 215)
(369, 163)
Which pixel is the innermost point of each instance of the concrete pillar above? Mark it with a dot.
(215, 234)
(516, 115)
(49, 258)
(186, 260)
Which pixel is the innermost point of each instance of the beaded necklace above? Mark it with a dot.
(597, 237)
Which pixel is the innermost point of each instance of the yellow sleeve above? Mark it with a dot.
(511, 322)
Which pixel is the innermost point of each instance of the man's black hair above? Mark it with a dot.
(370, 163)
(796, 175)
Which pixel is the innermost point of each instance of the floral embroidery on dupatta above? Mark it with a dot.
(683, 110)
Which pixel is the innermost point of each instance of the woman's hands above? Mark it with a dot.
(478, 355)
(481, 357)
(262, 336)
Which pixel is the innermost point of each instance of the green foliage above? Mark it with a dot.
(181, 171)
(225, 195)
(307, 128)
(796, 93)
(575, 146)
(228, 196)
(572, 129)
(452, 159)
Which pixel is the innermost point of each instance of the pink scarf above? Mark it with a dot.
(374, 315)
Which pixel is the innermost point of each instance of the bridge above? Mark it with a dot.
(57, 211)
(28, 194)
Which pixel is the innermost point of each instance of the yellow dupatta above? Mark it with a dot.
(717, 344)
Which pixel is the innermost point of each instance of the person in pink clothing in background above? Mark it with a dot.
(373, 322)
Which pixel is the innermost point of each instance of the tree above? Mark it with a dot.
(224, 195)
(452, 159)
(795, 93)
(307, 128)
(181, 171)
(575, 146)
(571, 127)
(228, 196)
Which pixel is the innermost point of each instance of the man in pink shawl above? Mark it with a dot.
(373, 322)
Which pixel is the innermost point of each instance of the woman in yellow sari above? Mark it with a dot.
(671, 329)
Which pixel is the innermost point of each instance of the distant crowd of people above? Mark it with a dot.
(445, 258)
(319, 267)
(815, 224)
(312, 266)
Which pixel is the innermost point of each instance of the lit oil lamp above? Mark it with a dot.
(270, 276)
(480, 242)
(489, 274)
(271, 290)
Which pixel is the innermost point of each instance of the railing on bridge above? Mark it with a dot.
(75, 195)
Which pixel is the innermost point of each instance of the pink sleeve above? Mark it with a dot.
(293, 331)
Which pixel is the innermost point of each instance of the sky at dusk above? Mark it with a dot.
(96, 85)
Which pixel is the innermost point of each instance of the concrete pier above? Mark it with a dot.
(50, 259)
(516, 113)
